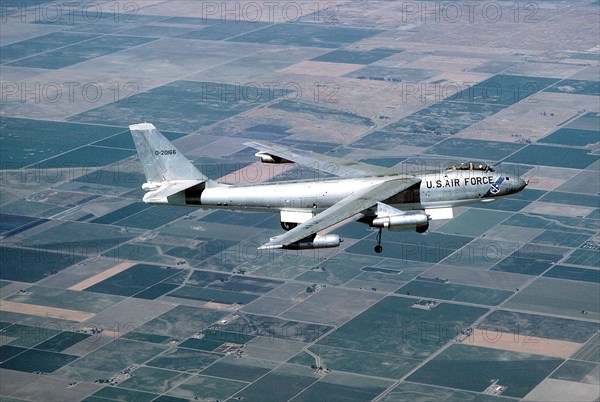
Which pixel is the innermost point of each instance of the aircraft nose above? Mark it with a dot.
(521, 184)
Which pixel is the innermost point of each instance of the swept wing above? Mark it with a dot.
(323, 163)
(354, 203)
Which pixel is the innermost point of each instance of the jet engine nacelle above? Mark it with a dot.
(150, 186)
(268, 158)
(402, 222)
(326, 241)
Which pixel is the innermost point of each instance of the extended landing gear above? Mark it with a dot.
(288, 225)
(378, 248)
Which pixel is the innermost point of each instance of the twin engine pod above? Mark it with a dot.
(318, 241)
(410, 220)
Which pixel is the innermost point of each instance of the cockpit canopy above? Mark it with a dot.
(479, 166)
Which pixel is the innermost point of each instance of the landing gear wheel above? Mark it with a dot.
(378, 249)
(288, 225)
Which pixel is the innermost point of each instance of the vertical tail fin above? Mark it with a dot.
(160, 159)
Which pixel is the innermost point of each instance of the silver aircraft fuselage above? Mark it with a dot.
(441, 189)
(384, 198)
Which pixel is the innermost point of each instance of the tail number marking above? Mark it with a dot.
(165, 152)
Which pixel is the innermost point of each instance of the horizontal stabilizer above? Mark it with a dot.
(170, 189)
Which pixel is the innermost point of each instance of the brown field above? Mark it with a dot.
(45, 311)
(102, 276)
(322, 68)
(534, 345)
(221, 306)
(545, 183)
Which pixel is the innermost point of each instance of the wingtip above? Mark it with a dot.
(268, 246)
(142, 126)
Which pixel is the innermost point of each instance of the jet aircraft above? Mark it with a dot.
(383, 198)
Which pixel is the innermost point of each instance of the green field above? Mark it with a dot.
(143, 337)
(526, 326)
(204, 388)
(223, 30)
(170, 105)
(573, 370)
(121, 213)
(449, 291)
(474, 149)
(243, 284)
(32, 264)
(155, 380)
(238, 372)
(79, 52)
(337, 270)
(474, 222)
(408, 253)
(153, 217)
(86, 239)
(200, 344)
(346, 387)
(118, 355)
(67, 299)
(473, 369)
(553, 156)
(42, 43)
(319, 35)
(590, 258)
(571, 86)
(379, 73)
(359, 362)
(572, 136)
(355, 57)
(569, 198)
(213, 295)
(525, 266)
(120, 394)
(556, 238)
(393, 327)
(590, 351)
(282, 383)
(37, 360)
(186, 360)
(408, 391)
(27, 335)
(62, 341)
(273, 327)
(176, 322)
(572, 273)
(503, 89)
(86, 157)
(555, 296)
(135, 280)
